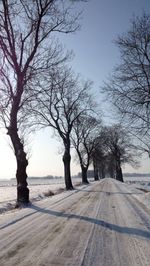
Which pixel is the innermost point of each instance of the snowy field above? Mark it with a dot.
(143, 186)
(40, 188)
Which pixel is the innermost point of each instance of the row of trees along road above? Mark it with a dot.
(38, 89)
(61, 102)
(129, 85)
(27, 49)
(113, 148)
(84, 140)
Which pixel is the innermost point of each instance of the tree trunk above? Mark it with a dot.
(96, 177)
(102, 170)
(119, 175)
(67, 172)
(111, 171)
(22, 162)
(84, 175)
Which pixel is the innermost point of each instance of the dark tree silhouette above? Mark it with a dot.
(84, 140)
(99, 158)
(129, 87)
(26, 50)
(120, 149)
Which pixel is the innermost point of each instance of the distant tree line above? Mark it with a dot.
(45, 177)
(136, 175)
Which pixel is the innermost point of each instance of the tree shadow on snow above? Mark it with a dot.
(111, 227)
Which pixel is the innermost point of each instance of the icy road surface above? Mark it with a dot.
(100, 224)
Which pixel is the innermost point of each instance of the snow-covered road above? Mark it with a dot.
(102, 224)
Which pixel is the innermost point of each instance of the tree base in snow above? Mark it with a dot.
(85, 182)
(70, 188)
(22, 196)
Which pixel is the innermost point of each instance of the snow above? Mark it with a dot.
(40, 187)
(140, 189)
(38, 190)
(103, 223)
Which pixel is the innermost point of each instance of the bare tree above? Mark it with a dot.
(62, 100)
(129, 87)
(99, 155)
(110, 165)
(26, 50)
(84, 140)
(120, 149)
(141, 141)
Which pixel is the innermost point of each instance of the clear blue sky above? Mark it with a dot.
(95, 56)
